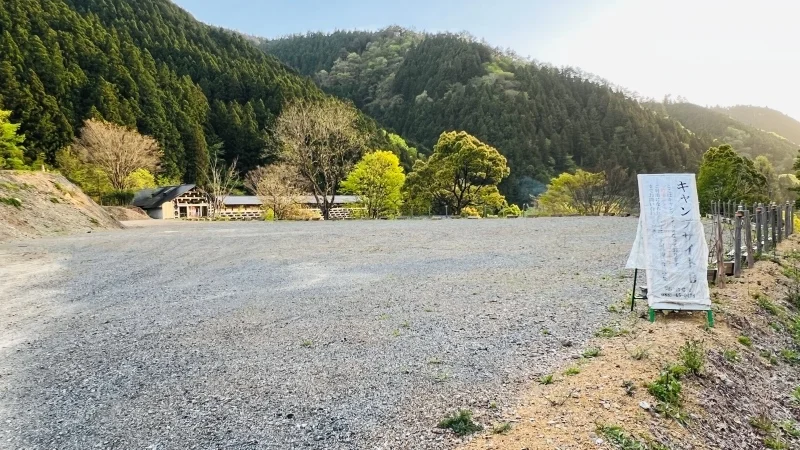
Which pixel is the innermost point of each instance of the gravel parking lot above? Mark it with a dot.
(292, 335)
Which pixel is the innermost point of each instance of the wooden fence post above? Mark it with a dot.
(748, 239)
(759, 229)
(787, 225)
(737, 244)
(719, 249)
(779, 223)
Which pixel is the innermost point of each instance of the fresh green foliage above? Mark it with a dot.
(765, 119)
(796, 394)
(501, 428)
(725, 175)
(461, 423)
(775, 443)
(377, 180)
(586, 193)
(461, 172)
(790, 356)
(307, 343)
(11, 201)
(745, 340)
(693, 356)
(12, 153)
(593, 352)
(767, 305)
(609, 332)
(789, 427)
(667, 387)
(574, 370)
(546, 379)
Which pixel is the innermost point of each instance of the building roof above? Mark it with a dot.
(154, 198)
(241, 200)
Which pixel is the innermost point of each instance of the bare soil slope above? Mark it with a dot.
(126, 213)
(36, 204)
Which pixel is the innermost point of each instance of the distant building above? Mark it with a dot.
(173, 202)
(187, 201)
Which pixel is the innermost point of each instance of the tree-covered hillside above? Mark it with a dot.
(719, 128)
(543, 119)
(765, 119)
(146, 64)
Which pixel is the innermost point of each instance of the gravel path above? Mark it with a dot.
(292, 335)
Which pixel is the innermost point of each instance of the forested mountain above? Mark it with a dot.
(765, 119)
(720, 128)
(143, 63)
(543, 119)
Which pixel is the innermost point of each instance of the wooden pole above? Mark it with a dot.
(779, 223)
(719, 249)
(737, 244)
(759, 229)
(767, 227)
(773, 223)
(748, 239)
(787, 221)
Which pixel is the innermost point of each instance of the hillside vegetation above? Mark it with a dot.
(765, 119)
(543, 119)
(720, 128)
(146, 64)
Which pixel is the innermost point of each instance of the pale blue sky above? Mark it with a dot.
(710, 51)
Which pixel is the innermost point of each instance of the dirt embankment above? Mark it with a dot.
(36, 204)
(126, 213)
(745, 396)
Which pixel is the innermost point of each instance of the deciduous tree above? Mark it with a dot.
(221, 179)
(322, 141)
(278, 188)
(116, 150)
(377, 180)
(582, 193)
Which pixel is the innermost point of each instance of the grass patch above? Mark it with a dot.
(396, 333)
(307, 343)
(501, 428)
(624, 441)
(406, 324)
(460, 423)
(54, 200)
(384, 316)
(790, 356)
(693, 356)
(610, 332)
(11, 201)
(762, 423)
(770, 357)
(790, 428)
(574, 370)
(796, 394)
(775, 443)
(745, 340)
(546, 379)
(767, 305)
(94, 221)
(593, 352)
(731, 356)
(9, 186)
(434, 361)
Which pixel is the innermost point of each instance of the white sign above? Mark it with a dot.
(671, 243)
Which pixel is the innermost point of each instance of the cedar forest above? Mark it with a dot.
(204, 93)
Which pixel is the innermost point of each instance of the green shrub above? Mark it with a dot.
(11, 201)
(746, 341)
(546, 379)
(693, 356)
(666, 388)
(460, 423)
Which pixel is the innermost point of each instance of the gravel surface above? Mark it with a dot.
(293, 335)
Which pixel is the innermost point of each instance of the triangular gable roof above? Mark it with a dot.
(154, 198)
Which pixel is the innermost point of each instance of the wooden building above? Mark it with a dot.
(173, 202)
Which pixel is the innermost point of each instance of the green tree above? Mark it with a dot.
(461, 172)
(12, 154)
(377, 180)
(583, 193)
(725, 175)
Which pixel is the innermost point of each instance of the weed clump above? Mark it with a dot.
(746, 341)
(574, 370)
(460, 423)
(593, 352)
(501, 428)
(693, 356)
(11, 201)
